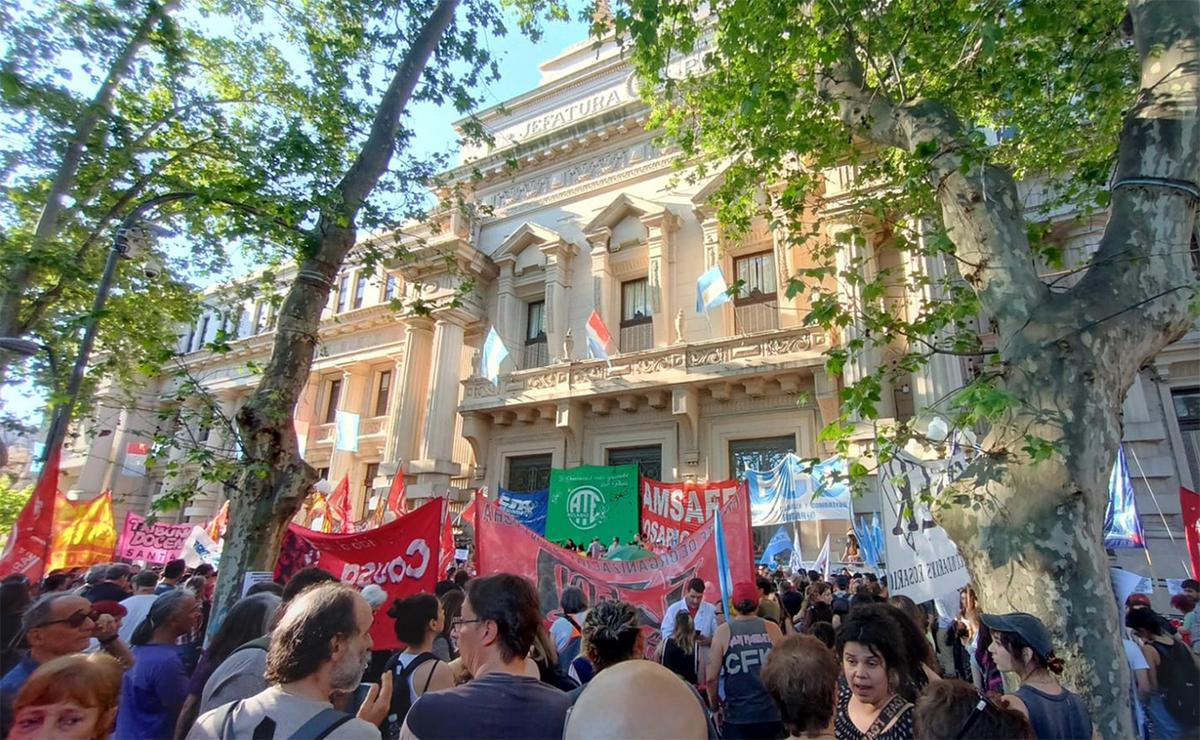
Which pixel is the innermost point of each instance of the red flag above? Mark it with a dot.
(1189, 505)
(339, 505)
(216, 528)
(397, 499)
(29, 541)
(447, 543)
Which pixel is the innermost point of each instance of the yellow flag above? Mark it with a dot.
(83, 533)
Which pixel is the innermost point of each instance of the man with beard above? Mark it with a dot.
(320, 648)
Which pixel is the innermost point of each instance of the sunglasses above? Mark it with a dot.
(75, 620)
(981, 706)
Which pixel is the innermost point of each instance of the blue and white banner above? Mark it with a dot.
(529, 509)
(797, 491)
(711, 290)
(1122, 527)
(724, 571)
(796, 561)
(778, 545)
(346, 425)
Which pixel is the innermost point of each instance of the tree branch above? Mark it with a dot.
(980, 206)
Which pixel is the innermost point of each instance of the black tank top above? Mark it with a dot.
(746, 699)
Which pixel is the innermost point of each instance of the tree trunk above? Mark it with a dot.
(275, 480)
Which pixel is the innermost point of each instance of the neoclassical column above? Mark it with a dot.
(856, 254)
(412, 391)
(436, 464)
(720, 318)
(604, 288)
(558, 285)
(355, 379)
(943, 373)
(508, 319)
(660, 256)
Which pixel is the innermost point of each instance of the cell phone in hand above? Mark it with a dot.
(358, 697)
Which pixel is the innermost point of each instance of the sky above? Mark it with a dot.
(519, 58)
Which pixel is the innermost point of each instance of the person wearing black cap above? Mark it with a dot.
(1021, 644)
(739, 652)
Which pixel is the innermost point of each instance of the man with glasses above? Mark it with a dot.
(499, 620)
(56, 624)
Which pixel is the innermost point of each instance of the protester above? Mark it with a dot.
(443, 645)
(825, 632)
(243, 673)
(801, 677)
(319, 649)
(95, 574)
(545, 658)
(919, 667)
(612, 634)
(739, 650)
(596, 549)
(567, 630)
(953, 709)
(137, 606)
(1187, 607)
(769, 607)
(248, 619)
(637, 699)
(851, 553)
(116, 586)
(819, 609)
(56, 581)
(73, 697)
(461, 578)
(679, 650)
(416, 670)
(499, 620)
(1171, 697)
(1191, 587)
(14, 600)
(793, 596)
(55, 625)
(869, 705)
(172, 573)
(153, 692)
(704, 614)
(1021, 644)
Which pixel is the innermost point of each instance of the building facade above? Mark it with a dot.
(594, 218)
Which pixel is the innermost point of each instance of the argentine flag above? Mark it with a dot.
(724, 573)
(711, 289)
(796, 562)
(778, 545)
(494, 353)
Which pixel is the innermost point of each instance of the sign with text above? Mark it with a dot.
(155, 543)
(593, 501)
(673, 511)
(528, 508)
(84, 532)
(651, 584)
(400, 557)
(922, 562)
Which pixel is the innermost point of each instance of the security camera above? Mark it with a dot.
(153, 266)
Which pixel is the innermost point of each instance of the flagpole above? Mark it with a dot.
(1153, 496)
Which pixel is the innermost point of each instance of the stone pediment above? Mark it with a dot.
(623, 206)
(546, 241)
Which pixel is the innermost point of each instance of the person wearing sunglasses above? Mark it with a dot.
(954, 710)
(56, 624)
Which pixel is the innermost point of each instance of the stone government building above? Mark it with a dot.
(594, 220)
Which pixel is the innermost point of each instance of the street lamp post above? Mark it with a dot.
(120, 248)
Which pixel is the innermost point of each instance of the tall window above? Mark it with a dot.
(756, 307)
(389, 287)
(1187, 411)
(637, 317)
(369, 483)
(360, 288)
(537, 353)
(383, 388)
(759, 454)
(529, 472)
(260, 317)
(343, 286)
(333, 393)
(322, 473)
(203, 334)
(648, 458)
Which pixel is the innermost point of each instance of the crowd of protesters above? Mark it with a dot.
(118, 651)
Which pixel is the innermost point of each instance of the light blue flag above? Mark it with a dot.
(711, 290)
(494, 353)
(877, 538)
(1122, 527)
(724, 574)
(778, 545)
(346, 424)
(796, 562)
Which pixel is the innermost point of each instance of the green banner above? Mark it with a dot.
(593, 501)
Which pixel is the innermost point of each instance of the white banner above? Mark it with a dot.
(922, 562)
(795, 491)
(347, 431)
(199, 548)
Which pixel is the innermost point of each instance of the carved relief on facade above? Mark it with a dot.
(574, 174)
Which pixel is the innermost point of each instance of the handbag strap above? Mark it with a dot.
(894, 709)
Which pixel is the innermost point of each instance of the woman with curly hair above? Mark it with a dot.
(612, 633)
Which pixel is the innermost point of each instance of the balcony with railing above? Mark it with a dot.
(636, 337)
(535, 354)
(754, 315)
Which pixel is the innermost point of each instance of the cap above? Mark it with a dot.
(1137, 600)
(108, 606)
(1028, 627)
(745, 592)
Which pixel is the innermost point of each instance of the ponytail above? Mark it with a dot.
(1055, 664)
(163, 608)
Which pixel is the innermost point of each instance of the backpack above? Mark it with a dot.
(571, 651)
(319, 726)
(841, 604)
(401, 695)
(1179, 683)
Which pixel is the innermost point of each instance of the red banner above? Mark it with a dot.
(1189, 505)
(84, 532)
(400, 557)
(504, 545)
(672, 511)
(29, 541)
